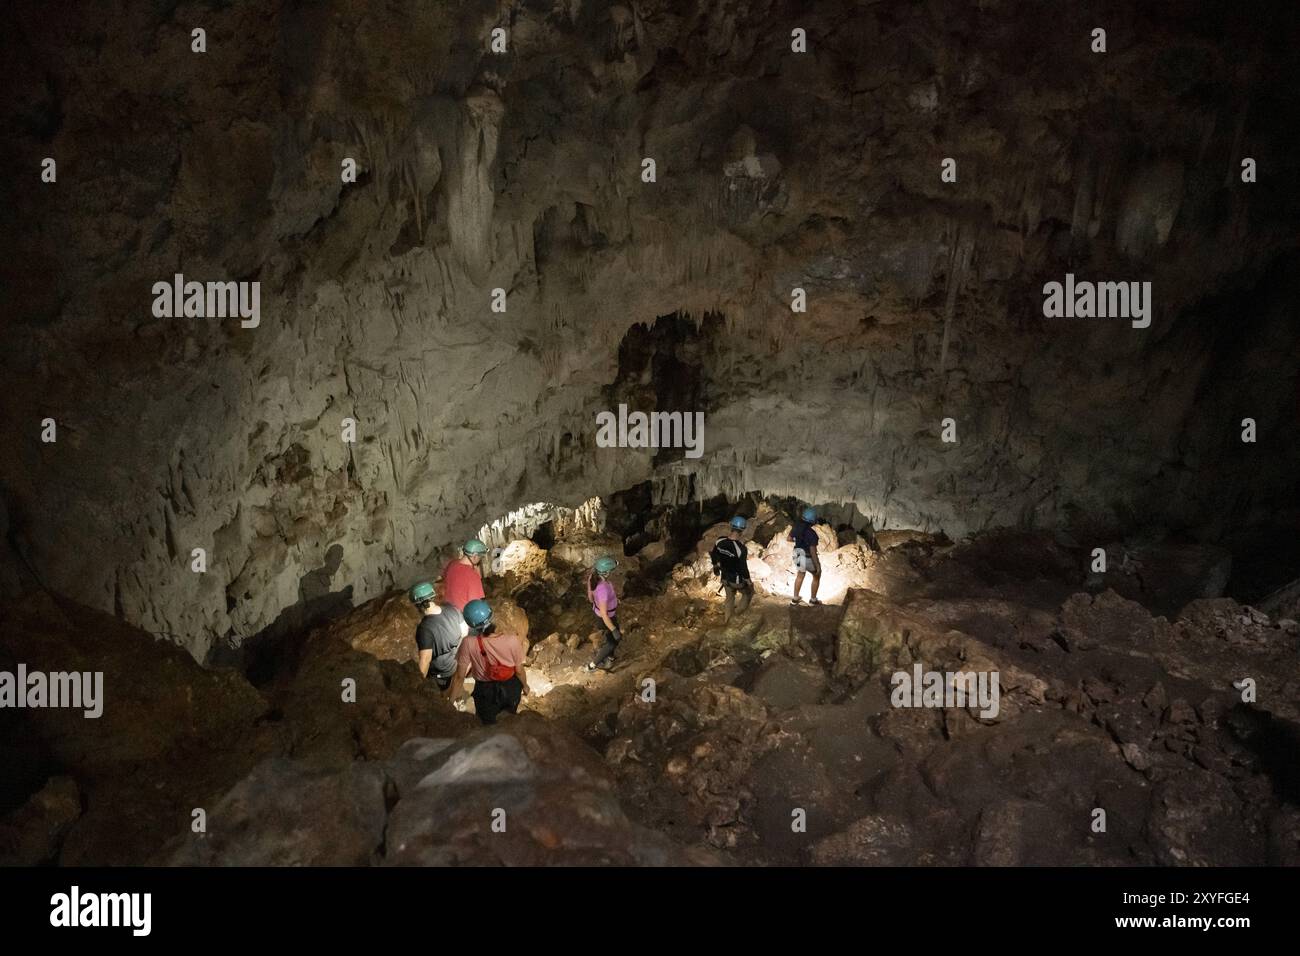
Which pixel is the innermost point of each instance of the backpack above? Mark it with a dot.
(495, 672)
(736, 552)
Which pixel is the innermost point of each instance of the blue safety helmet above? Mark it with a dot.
(810, 515)
(738, 523)
(605, 564)
(477, 614)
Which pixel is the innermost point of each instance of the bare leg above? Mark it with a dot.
(729, 604)
(746, 596)
(798, 584)
(816, 580)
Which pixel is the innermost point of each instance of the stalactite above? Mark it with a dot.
(958, 263)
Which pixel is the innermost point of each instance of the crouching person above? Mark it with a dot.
(495, 661)
(731, 562)
(438, 636)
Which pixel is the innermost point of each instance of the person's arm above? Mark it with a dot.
(603, 614)
(426, 657)
(522, 674)
(458, 682)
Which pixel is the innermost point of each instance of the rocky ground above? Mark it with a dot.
(769, 740)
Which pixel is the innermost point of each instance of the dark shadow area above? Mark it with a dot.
(277, 647)
(1276, 743)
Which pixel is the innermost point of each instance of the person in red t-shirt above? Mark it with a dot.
(462, 581)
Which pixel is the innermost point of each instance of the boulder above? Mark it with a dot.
(531, 794)
(383, 628)
(31, 835)
(869, 638)
(870, 841)
(1165, 577)
(687, 756)
(287, 813)
(652, 552)
(1197, 819)
(1109, 620)
(1018, 832)
(520, 558)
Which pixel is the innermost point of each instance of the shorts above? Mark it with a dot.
(810, 564)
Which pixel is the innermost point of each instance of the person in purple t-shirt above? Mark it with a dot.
(604, 602)
(804, 537)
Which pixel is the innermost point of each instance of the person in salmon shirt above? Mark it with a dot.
(495, 661)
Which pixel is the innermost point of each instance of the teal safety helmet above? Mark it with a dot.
(738, 523)
(477, 614)
(421, 593)
(810, 515)
(474, 546)
(605, 564)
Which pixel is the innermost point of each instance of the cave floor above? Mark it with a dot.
(1119, 737)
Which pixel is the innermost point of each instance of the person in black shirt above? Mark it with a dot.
(438, 635)
(731, 560)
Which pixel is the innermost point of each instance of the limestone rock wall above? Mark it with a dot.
(522, 171)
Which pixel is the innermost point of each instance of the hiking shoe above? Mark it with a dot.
(814, 601)
(795, 602)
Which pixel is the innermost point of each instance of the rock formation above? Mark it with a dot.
(521, 171)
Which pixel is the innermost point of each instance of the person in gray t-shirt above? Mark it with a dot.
(438, 635)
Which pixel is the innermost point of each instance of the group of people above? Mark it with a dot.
(730, 559)
(457, 638)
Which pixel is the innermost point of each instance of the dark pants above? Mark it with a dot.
(746, 591)
(492, 697)
(612, 638)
